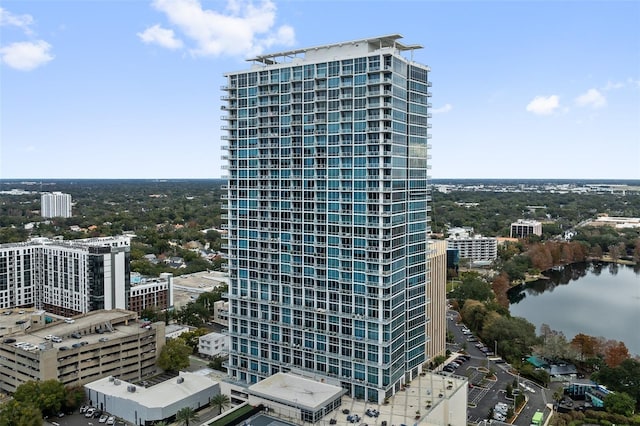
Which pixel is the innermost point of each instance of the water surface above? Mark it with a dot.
(595, 299)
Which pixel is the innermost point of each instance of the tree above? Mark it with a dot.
(514, 335)
(623, 378)
(220, 401)
(554, 344)
(615, 353)
(74, 396)
(500, 286)
(174, 355)
(216, 363)
(48, 396)
(192, 338)
(619, 403)
(586, 346)
(473, 287)
(186, 415)
(15, 413)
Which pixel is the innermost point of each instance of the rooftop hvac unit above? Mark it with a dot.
(111, 378)
(131, 388)
(116, 382)
(180, 380)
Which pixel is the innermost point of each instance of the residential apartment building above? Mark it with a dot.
(328, 215)
(436, 327)
(472, 246)
(66, 277)
(151, 293)
(96, 345)
(213, 344)
(525, 227)
(55, 204)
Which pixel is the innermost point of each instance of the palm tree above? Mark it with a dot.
(221, 401)
(186, 415)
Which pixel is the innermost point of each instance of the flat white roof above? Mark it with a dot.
(160, 395)
(289, 388)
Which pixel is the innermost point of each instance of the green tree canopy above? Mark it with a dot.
(473, 287)
(619, 403)
(186, 415)
(514, 336)
(15, 413)
(174, 355)
(48, 396)
(220, 401)
(623, 378)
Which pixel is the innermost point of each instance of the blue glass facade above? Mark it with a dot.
(328, 216)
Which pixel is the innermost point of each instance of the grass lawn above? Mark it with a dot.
(228, 419)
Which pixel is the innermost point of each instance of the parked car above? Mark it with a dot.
(69, 320)
(89, 413)
(111, 420)
(103, 418)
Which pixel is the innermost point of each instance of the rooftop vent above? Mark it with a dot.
(180, 380)
(131, 388)
(111, 378)
(116, 382)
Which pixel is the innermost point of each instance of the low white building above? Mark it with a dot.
(221, 312)
(174, 330)
(296, 397)
(144, 406)
(213, 344)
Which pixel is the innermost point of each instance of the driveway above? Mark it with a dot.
(484, 394)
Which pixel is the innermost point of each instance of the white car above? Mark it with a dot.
(49, 336)
(111, 420)
(90, 412)
(69, 320)
(103, 418)
(56, 339)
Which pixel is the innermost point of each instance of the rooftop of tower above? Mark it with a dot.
(372, 44)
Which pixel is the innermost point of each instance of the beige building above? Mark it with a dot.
(221, 312)
(78, 350)
(523, 228)
(436, 296)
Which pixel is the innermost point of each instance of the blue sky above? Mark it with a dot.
(131, 89)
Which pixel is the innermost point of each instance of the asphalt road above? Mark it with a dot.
(484, 394)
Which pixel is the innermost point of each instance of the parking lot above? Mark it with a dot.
(79, 419)
(485, 393)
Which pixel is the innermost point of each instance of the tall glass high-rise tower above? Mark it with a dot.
(328, 215)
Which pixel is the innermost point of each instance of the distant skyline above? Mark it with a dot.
(131, 89)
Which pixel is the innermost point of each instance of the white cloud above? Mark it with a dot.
(544, 105)
(242, 29)
(592, 98)
(442, 109)
(21, 21)
(160, 36)
(634, 83)
(26, 55)
(611, 85)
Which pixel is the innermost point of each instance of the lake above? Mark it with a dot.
(598, 299)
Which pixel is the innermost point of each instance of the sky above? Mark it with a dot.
(131, 88)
